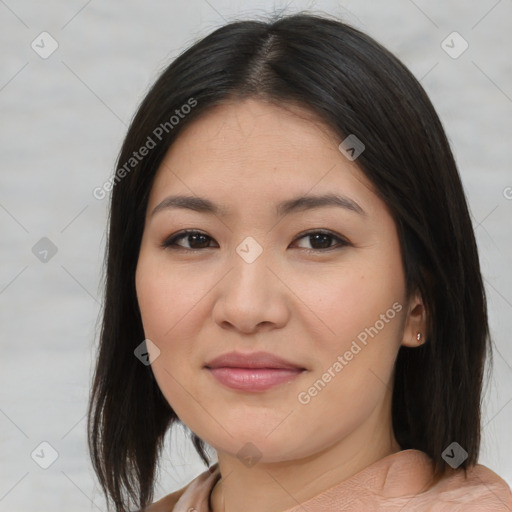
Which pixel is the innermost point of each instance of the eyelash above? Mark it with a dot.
(170, 243)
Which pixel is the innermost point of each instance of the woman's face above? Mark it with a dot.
(319, 286)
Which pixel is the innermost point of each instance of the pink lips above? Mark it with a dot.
(258, 371)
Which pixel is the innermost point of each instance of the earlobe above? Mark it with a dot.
(415, 325)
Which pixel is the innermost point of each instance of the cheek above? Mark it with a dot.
(167, 296)
(361, 308)
(347, 302)
(363, 313)
(168, 299)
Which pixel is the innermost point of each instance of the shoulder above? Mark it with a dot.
(165, 504)
(480, 489)
(406, 479)
(194, 493)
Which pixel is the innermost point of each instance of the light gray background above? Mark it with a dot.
(63, 119)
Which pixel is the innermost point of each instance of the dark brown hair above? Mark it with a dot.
(355, 86)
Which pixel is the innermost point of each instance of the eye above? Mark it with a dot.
(322, 240)
(197, 240)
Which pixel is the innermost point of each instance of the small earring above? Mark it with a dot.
(418, 337)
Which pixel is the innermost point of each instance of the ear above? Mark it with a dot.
(415, 322)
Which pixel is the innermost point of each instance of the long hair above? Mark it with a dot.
(356, 87)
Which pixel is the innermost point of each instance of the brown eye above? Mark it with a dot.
(321, 240)
(196, 240)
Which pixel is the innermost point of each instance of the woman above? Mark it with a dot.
(342, 375)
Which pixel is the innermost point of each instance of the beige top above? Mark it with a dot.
(395, 483)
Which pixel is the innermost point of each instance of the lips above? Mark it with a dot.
(254, 372)
(254, 360)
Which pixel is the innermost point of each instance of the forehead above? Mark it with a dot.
(252, 126)
(252, 149)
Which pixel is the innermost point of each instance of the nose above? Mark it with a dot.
(251, 297)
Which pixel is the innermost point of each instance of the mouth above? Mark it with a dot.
(253, 379)
(254, 372)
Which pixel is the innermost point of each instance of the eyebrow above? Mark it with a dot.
(296, 204)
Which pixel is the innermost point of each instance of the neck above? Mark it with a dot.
(276, 487)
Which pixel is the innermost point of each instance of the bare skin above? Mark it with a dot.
(306, 307)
